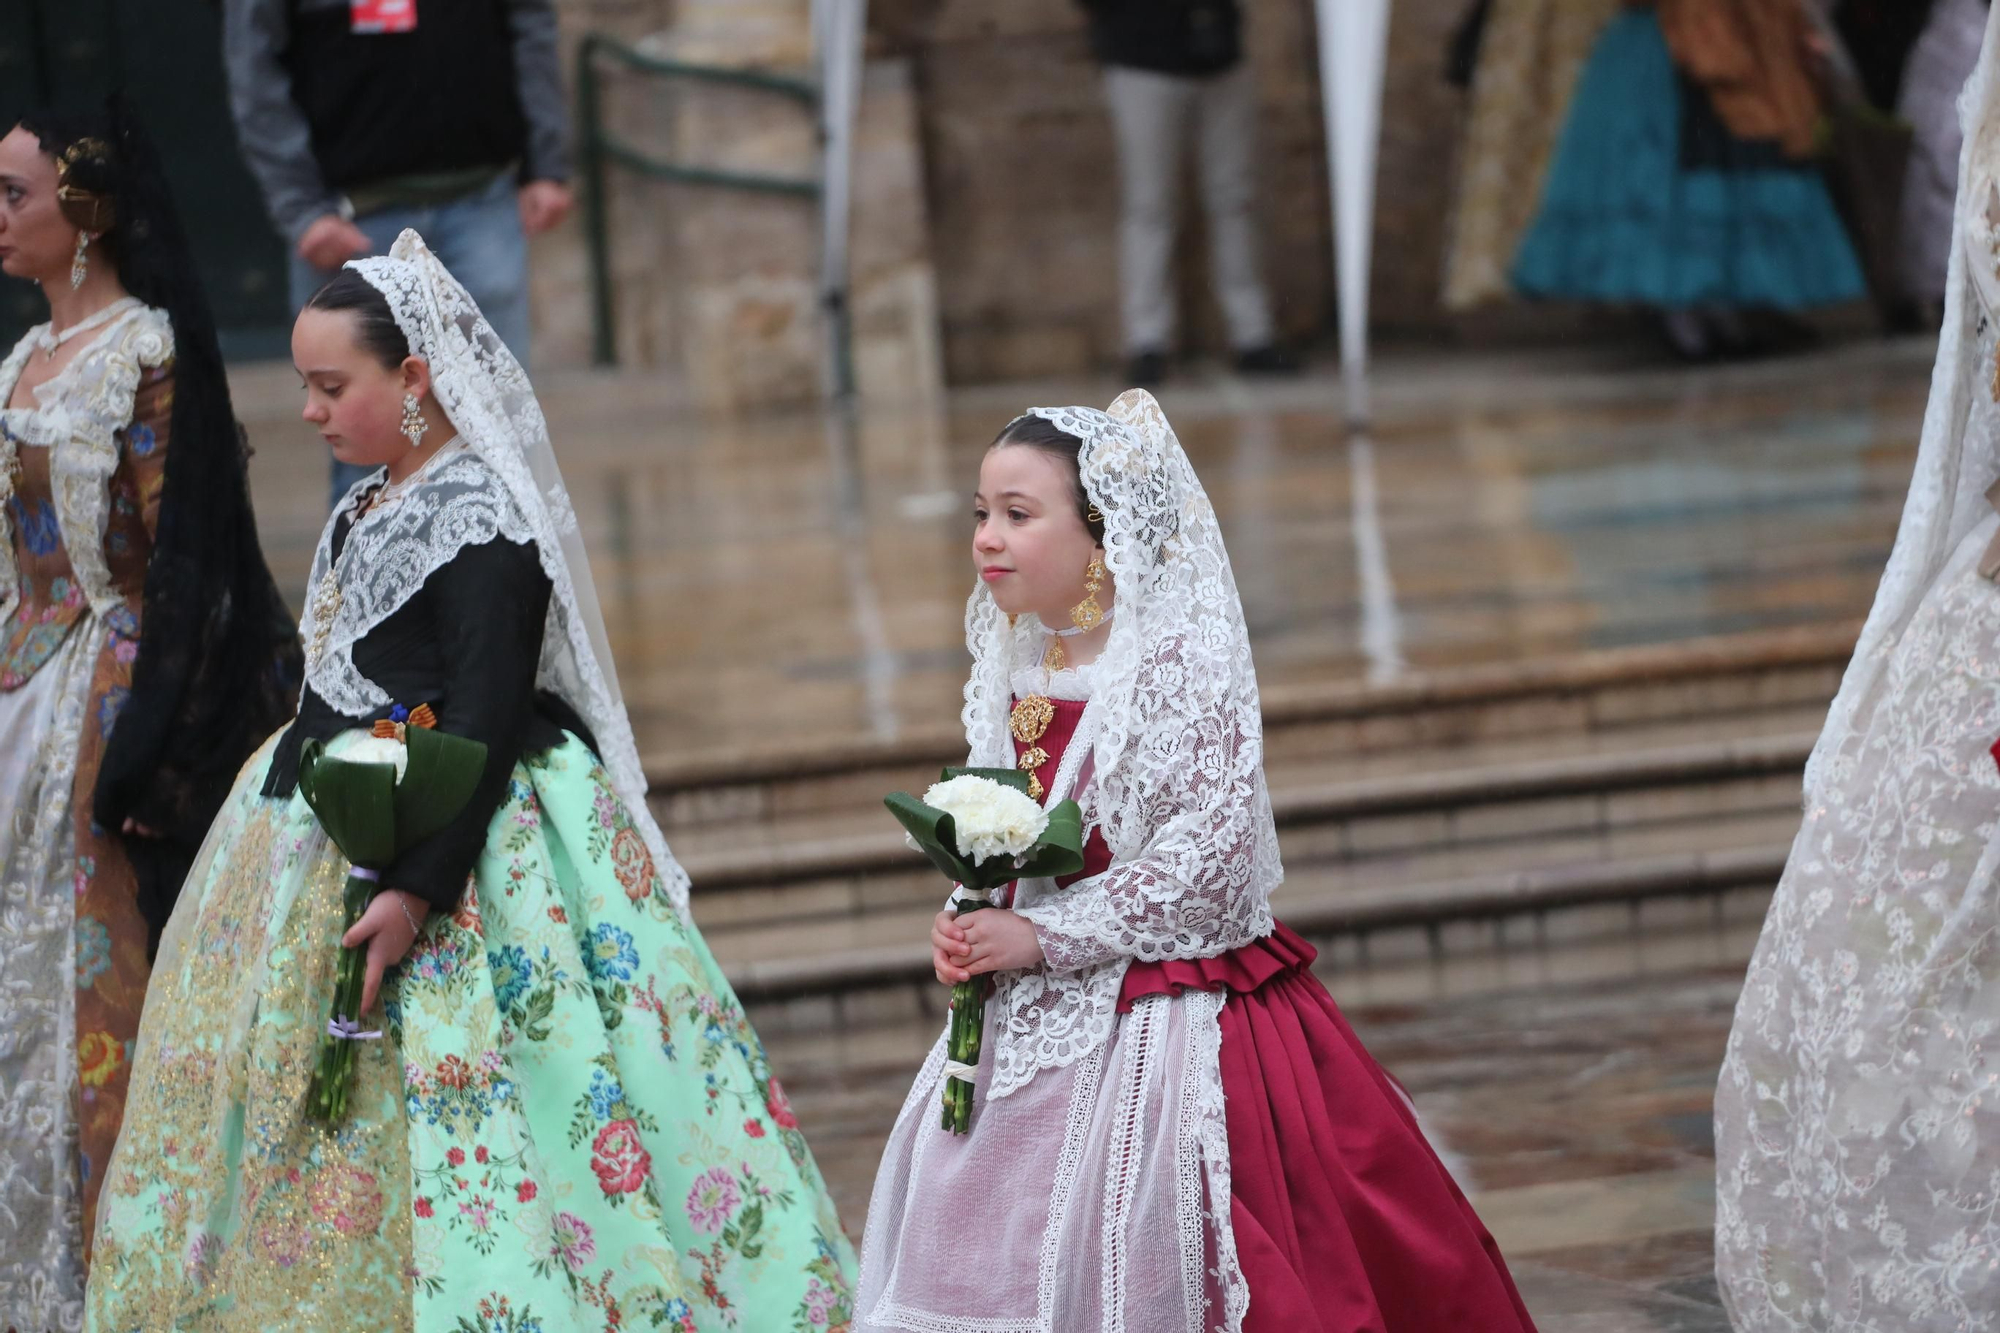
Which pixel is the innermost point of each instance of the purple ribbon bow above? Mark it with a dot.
(347, 1029)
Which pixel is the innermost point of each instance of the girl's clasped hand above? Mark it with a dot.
(990, 940)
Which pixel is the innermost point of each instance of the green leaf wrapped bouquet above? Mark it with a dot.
(376, 796)
(981, 829)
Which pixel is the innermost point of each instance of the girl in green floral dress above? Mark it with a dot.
(565, 1121)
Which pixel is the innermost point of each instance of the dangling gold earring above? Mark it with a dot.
(79, 267)
(414, 424)
(1087, 614)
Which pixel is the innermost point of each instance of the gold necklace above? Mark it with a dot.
(324, 604)
(322, 607)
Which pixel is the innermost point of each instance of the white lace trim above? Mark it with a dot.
(77, 417)
(493, 407)
(1076, 1130)
(1071, 684)
(1054, 1021)
(1202, 1155)
(391, 551)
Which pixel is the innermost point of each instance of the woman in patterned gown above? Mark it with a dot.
(143, 652)
(565, 1122)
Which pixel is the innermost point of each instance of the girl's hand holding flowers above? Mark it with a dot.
(997, 940)
(377, 793)
(948, 948)
(389, 928)
(993, 940)
(981, 829)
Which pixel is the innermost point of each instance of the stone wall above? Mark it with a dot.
(1000, 212)
(720, 286)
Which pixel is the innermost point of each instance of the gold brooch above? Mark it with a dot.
(1029, 722)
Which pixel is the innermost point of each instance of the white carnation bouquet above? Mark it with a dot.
(989, 818)
(377, 793)
(981, 829)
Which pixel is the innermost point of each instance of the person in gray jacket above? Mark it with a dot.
(362, 117)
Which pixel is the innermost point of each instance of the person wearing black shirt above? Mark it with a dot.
(362, 117)
(1174, 71)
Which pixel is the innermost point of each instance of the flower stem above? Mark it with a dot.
(326, 1099)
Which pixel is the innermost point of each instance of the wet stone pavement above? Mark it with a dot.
(772, 582)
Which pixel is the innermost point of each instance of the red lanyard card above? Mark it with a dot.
(370, 16)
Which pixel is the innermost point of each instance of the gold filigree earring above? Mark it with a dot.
(414, 424)
(1087, 614)
(79, 266)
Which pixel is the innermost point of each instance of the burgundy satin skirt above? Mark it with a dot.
(1345, 1220)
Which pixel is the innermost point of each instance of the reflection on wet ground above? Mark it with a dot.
(774, 581)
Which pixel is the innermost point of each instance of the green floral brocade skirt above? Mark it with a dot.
(568, 1123)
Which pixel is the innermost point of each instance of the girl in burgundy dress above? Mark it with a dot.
(1173, 1127)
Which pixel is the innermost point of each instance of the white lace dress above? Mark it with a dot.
(1080, 1200)
(1858, 1117)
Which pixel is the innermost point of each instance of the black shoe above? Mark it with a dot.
(1906, 315)
(1146, 369)
(1270, 359)
(1687, 335)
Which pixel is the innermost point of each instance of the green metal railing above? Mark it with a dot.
(602, 147)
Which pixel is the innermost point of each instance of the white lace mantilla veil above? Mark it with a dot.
(1948, 487)
(1858, 1111)
(505, 483)
(1176, 741)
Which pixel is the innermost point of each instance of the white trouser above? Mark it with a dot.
(1154, 116)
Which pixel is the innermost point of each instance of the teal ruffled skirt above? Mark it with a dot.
(1625, 219)
(567, 1123)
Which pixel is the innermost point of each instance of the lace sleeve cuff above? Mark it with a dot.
(1073, 927)
(1062, 952)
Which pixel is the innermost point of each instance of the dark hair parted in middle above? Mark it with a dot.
(1040, 433)
(375, 324)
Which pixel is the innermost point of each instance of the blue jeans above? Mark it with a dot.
(480, 240)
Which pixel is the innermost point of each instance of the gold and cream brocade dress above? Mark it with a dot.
(82, 468)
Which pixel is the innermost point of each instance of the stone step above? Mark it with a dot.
(1437, 836)
(1387, 944)
(1408, 873)
(820, 882)
(1585, 701)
